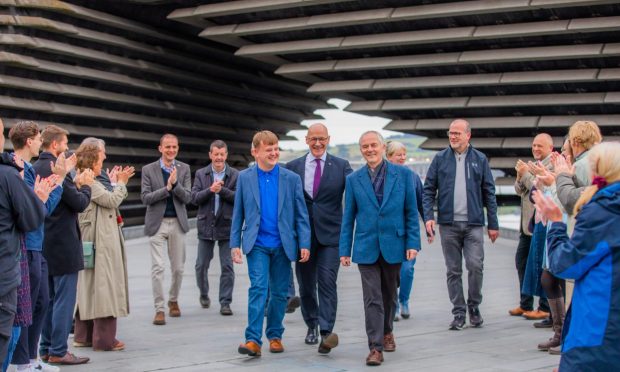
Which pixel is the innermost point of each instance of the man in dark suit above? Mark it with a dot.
(62, 248)
(380, 203)
(166, 189)
(323, 176)
(214, 194)
(270, 225)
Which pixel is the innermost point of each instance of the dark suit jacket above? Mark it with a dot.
(62, 242)
(325, 211)
(211, 226)
(154, 195)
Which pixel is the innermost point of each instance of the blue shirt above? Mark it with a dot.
(268, 232)
(34, 239)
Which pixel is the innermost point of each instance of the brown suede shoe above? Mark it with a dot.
(388, 342)
(517, 311)
(275, 345)
(67, 359)
(250, 348)
(375, 358)
(175, 312)
(118, 346)
(535, 315)
(160, 318)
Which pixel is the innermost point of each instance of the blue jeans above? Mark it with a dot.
(59, 316)
(267, 268)
(406, 281)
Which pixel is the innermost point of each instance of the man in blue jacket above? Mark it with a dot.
(460, 179)
(380, 203)
(20, 211)
(270, 223)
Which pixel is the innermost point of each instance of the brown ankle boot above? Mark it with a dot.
(557, 311)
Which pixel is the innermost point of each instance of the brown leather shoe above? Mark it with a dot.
(328, 342)
(45, 357)
(174, 312)
(275, 345)
(517, 311)
(250, 348)
(160, 318)
(67, 359)
(388, 342)
(375, 358)
(535, 315)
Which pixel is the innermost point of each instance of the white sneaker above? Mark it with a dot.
(40, 366)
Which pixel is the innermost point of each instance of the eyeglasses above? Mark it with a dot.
(315, 139)
(454, 134)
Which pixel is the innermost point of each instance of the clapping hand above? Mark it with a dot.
(216, 187)
(521, 168)
(43, 187)
(124, 174)
(562, 165)
(546, 209)
(85, 177)
(172, 179)
(112, 173)
(63, 165)
(536, 168)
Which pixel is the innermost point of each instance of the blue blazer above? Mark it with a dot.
(325, 211)
(292, 214)
(390, 228)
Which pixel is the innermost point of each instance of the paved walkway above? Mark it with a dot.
(203, 340)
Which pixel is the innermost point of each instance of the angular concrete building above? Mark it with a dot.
(129, 70)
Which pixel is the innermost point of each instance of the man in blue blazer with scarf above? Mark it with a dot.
(270, 224)
(380, 202)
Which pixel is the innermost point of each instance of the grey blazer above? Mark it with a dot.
(154, 195)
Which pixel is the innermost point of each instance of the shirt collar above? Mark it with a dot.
(274, 172)
(167, 169)
(310, 158)
(219, 173)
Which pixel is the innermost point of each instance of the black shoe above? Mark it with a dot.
(546, 323)
(205, 302)
(475, 319)
(328, 342)
(293, 303)
(458, 323)
(312, 337)
(225, 310)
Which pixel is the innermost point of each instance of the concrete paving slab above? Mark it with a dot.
(203, 340)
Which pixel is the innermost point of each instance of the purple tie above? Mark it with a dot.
(317, 178)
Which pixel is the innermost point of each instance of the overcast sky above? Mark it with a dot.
(344, 127)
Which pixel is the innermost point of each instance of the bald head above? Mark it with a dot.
(542, 146)
(317, 139)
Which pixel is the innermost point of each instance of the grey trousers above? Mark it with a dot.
(227, 273)
(379, 287)
(457, 241)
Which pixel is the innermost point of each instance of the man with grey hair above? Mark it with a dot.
(380, 230)
(460, 180)
(214, 194)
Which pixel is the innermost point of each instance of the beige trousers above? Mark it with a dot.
(169, 232)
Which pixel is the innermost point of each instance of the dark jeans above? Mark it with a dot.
(379, 285)
(8, 307)
(39, 293)
(317, 286)
(227, 273)
(457, 241)
(59, 315)
(523, 250)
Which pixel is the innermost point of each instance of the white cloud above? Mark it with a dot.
(344, 127)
